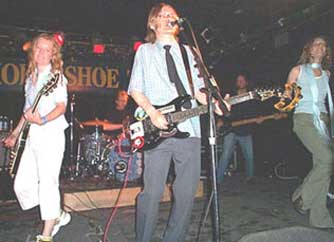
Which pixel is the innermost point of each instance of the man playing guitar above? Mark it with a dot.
(151, 84)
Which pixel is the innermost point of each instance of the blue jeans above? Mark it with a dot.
(246, 144)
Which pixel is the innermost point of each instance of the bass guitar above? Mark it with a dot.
(225, 128)
(144, 135)
(17, 150)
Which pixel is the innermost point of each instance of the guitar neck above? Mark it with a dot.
(241, 98)
(26, 124)
(189, 113)
(254, 120)
(36, 101)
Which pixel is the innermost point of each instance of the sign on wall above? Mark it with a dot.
(88, 78)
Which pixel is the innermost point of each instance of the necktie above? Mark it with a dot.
(173, 76)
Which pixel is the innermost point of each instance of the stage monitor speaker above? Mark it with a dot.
(292, 234)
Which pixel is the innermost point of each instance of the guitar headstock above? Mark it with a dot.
(265, 93)
(51, 84)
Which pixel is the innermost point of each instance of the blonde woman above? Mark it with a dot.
(37, 178)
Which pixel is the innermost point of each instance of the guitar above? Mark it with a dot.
(224, 129)
(17, 150)
(144, 135)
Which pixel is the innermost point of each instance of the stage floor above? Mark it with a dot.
(245, 208)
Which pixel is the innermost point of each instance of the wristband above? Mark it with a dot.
(44, 120)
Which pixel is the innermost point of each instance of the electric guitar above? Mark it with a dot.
(225, 128)
(144, 135)
(17, 150)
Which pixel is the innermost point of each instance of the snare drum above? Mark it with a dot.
(120, 158)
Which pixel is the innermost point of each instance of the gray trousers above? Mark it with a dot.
(314, 188)
(186, 154)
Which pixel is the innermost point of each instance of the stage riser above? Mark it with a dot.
(87, 200)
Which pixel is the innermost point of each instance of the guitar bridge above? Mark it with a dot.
(167, 134)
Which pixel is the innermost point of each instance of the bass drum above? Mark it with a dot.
(120, 158)
(92, 146)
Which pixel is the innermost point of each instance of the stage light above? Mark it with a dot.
(26, 46)
(59, 37)
(98, 48)
(136, 45)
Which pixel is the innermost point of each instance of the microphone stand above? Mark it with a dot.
(72, 120)
(212, 92)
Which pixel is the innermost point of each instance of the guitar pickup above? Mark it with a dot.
(137, 130)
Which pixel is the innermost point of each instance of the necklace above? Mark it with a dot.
(315, 65)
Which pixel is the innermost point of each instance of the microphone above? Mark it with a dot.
(179, 22)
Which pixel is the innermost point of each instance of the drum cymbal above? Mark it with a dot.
(108, 126)
(94, 122)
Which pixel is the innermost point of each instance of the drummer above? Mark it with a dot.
(117, 114)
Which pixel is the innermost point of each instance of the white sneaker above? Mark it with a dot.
(41, 238)
(62, 220)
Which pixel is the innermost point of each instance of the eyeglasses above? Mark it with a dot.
(167, 15)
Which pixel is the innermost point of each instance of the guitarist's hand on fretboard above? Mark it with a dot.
(259, 119)
(31, 117)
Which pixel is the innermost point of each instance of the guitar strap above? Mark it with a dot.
(187, 66)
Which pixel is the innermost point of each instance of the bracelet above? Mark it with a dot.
(44, 120)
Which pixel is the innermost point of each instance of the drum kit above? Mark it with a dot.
(105, 156)
(100, 155)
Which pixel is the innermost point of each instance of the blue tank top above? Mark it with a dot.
(306, 77)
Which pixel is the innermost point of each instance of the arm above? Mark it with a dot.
(292, 78)
(202, 98)
(156, 117)
(10, 140)
(36, 118)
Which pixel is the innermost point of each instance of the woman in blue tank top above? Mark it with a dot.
(311, 124)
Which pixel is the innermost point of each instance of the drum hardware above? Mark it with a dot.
(74, 165)
(103, 156)
(118, 155)
(121, 167)
(89, 160)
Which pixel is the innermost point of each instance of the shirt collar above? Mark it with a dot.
(161, 44)
(46, 71)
